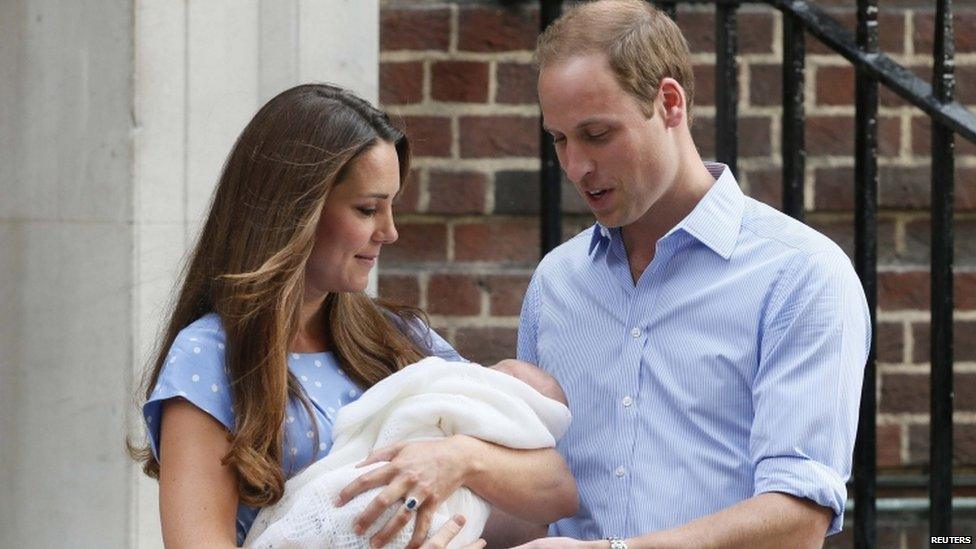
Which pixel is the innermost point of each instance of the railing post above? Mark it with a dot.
(866, 259)
(792, 146)
(940, 464)
(550, 178)
(726, 86)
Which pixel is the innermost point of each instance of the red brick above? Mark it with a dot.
(499, 136)
(891, 30)
(834, 135)
(766, 185)
(401, 83)
(429, 135)
(889, 445)
(918, 238)
(459, 81)
(754, 136)
(911, 188)
(922, 139)
(505, 293)
(449, 294)
(963, 27)
(703, 134)
(963, 446)
(964, 291)
(704, 85)
(488, 29)
(403, 289)
(699, 29)
(766, 85)
(456, 192)
(903, 290)
(841, 231)
(888, 98)
(414, 29)
(516, 83)
(890, 342)
(835, 86)
(486, 345)
(407, 200)
(418, 242)
(963, 349)
(904, 393)
(513, 240)
(834, 189)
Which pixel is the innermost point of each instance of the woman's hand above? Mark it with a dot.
(429, 471)
(447, 532)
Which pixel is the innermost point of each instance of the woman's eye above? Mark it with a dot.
(369, 212)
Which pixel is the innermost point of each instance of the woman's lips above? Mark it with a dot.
(370, 259)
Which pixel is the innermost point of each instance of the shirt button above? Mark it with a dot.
(620, 471)
(627, 401)
(635, 332)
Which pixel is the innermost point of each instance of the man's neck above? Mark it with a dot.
(641, 236)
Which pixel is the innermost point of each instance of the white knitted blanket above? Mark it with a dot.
(430, 399)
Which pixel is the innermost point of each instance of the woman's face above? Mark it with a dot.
(356, 221)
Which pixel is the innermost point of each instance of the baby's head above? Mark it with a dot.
(534, 377)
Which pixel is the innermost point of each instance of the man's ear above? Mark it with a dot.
(672, 97)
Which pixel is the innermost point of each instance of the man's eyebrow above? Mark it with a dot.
(596, 120)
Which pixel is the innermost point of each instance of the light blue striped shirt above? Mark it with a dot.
(732, 368)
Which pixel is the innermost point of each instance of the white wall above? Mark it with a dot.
(115, 119)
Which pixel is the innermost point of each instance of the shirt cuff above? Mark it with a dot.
(804, 478)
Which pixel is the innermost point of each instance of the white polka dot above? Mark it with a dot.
(220, 345)
(353, 393)
(290, 419)
(214, 388)
(322, 446)
(195, 378)
(172, 360)
(309, 434)
(294, 450)
(193, 339)
(318, 383)
(341, 373)
(318, 363)
(304, 378)
(196, 350)
(330, 410)
(295, 356)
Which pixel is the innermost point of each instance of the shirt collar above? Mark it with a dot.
(715, 221)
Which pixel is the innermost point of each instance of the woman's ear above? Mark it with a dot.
(672, 97)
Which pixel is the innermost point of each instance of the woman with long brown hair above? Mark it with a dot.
(271, 334)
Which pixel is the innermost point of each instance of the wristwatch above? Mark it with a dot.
(616, 543)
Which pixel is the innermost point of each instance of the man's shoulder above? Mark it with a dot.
(773, 228)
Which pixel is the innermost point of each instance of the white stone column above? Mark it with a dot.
(116, 120)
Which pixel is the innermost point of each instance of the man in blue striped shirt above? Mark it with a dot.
(712, 349)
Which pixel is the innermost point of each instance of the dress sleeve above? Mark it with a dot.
(194, 371)
(807, 388)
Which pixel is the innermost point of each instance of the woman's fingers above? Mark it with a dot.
(446, 533)
(402, 517)
(393, 494)
(383, 454)
(424, 517)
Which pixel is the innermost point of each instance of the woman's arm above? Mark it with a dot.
(197, 495)
(534, 485)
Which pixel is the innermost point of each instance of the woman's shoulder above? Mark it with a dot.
(417, 329)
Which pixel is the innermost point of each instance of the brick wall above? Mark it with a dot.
(460, 76)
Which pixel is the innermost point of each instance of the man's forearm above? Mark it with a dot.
(766, 520)
(533, 485)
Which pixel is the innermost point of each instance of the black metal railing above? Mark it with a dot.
(948, 119)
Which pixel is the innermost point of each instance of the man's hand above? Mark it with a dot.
(447, 532)
(429, 471)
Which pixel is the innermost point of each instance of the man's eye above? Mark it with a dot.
(559, 139)
(597, 135)
(369, 212)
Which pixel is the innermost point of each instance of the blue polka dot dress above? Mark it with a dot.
(195, 370)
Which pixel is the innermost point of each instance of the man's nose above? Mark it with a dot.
(576, 163)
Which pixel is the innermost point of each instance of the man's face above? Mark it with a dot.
(621, 161)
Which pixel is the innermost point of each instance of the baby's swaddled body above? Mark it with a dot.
(430, 399)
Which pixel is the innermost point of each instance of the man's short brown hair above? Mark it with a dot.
(642, 44)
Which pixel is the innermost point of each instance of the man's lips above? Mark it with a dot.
(597, 197)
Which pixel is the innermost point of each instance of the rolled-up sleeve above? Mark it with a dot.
(807, 389)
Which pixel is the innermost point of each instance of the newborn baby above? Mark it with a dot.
(512, 404)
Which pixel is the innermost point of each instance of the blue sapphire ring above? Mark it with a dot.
(411, 504)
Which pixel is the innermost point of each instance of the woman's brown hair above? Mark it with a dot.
(249, 267)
